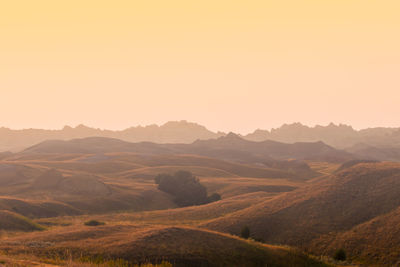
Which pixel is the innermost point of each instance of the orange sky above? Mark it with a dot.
(230, 65)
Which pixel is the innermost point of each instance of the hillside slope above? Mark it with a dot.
(335, 204)
(11, 221)
(181, 246)
(376, 241)
(36, 209)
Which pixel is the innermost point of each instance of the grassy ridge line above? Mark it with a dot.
(187, 215)
(15, 222)
(180, 245)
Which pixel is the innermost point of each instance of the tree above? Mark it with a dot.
(184, 187)
(245, 233)
(340, 255)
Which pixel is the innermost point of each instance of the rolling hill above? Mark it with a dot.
(37, 208)
(375, 242)
(334, 204)
(182, 246)
(41, 185)
(11, 221)
(230, 147)
(100, 175)
(286, 193)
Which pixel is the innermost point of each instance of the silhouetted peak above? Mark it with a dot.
(82, 127)
(67, 128)
(336, 125)
(260, 131)
(182, 124)
(295, 125)
(232, 137)
(78, 127)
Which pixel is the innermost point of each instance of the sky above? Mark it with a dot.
(229, 65)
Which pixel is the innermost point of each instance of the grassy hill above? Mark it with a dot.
(375, 242)
(37, 208)
(182, 246)
(335, 204)
(53, 184)
(306, 195)
(187, 215)
(11, 221)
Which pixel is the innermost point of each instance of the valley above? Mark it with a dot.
(309, 196)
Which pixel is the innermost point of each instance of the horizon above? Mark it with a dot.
(192, 122)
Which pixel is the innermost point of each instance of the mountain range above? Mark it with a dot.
(372, 143)
(230, 147)
(170, 132)
(340, 136)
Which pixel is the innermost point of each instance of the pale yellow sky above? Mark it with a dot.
(230, 65)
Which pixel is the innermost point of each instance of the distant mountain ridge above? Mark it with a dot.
(230, 147)
(380, 140)
(170, 132)
(339, 136)
(233, 146)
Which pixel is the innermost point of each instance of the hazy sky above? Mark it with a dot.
(229, 65)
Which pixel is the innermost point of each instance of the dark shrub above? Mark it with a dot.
(258, 239)
(93, 223)
(185, 188)
(340, 255)
(245, 233)
(214, 197)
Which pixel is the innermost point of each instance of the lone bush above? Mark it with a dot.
(245, 233)
(214, 197)
(185, 188)
(340, 255)
(93, 223)
(259, 239)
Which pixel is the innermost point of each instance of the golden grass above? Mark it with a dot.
(374, 243)
(29, 260)
(334, 211)
(123, 181)
(325, 168)
(11, 221)
(139, 244)
(150, 235)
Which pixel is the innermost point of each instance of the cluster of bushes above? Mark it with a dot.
(245, 232)
(340, 255)
(185, 188)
